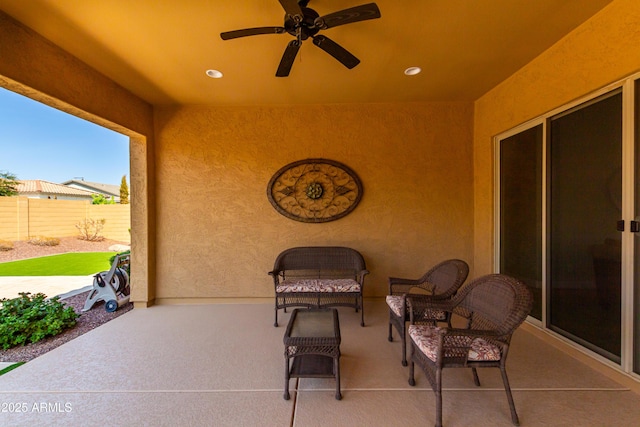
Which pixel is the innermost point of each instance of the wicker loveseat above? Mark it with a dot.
(319, 276)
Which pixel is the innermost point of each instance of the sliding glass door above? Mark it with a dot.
(584, 217)
(521, 210)
(560, 221)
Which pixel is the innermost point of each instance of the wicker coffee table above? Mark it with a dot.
(312, 340)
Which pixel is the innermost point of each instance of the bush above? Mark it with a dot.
(127, 267)
(121, 253)
(100, 199)
(44, 241)
(31, 318)
(6, 245)
(90, 229)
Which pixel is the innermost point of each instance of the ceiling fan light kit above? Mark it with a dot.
(303, 22)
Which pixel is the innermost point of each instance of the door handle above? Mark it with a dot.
(620, 225)
(635, 226)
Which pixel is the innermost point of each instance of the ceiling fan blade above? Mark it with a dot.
(287, 58)
(348, 16)
(291, 7)
(337, 51)
(228, 35)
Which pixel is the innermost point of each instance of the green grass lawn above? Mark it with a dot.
(71, 264)
(11, 367)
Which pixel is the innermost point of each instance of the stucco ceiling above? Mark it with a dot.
(160, 49)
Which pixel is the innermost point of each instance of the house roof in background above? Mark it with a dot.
(37, 186)
(95, 187)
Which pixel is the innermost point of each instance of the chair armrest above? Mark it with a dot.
(361, 275)
(434, 302)
(276, 276)
(399, 285)
(402, 281)
(474, 333)
(464, 337)
(421, 303)
(456, 343)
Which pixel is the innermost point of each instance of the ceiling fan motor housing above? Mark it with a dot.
(307, 25)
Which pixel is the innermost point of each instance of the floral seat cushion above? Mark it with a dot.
(426, 338)
(318, 285)
(395, 303)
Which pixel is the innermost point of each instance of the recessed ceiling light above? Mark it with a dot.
(412, 71)
(214, 74)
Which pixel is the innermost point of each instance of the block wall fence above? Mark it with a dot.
(22, 218)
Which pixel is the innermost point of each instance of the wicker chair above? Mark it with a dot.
(494, 306)
(440, 282)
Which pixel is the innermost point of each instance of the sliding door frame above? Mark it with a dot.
(628, 214)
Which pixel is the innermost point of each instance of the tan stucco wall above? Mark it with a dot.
(600, 51)
(426, 197)
(34, 67)
(218, 235)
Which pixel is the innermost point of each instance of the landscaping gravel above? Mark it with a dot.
(24, 250)
(86, 322)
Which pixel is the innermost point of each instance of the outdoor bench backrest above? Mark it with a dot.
(319, 261)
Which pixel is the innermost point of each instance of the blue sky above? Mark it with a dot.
(40, 142)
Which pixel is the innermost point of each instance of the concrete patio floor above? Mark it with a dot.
(11, 286)
(223, 365)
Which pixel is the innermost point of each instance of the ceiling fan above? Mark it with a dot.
(303, 22)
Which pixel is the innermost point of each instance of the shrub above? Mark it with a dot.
(44, 241)
(128, 252)
(90, 229)
(127, 267)
(31, 318)
(101, 199)
(6, 245)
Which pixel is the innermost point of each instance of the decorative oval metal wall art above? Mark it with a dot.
(314, 190)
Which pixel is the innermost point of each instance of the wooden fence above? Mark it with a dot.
(22, 218)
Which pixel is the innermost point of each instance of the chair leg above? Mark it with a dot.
(402, 332)
(276, 322)
(403, 336)
(412, 380)
(361, 312)
(438, 392)
(507, 389)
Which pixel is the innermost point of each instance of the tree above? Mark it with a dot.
(124, 191)
(8, 184)
(100, 199)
